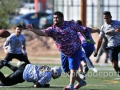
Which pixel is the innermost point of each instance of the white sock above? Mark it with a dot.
(71, 86)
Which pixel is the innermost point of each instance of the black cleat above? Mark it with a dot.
(44, 86)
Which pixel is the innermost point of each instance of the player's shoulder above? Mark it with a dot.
(22, 36)
(12, 35)
(71, 21)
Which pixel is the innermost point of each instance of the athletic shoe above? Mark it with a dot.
(44, 86)
(95, 70)
(80, 84)
(68, 88)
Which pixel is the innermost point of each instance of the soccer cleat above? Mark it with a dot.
(80, 84)
(95, 70)
(44, 86)
(68, 88)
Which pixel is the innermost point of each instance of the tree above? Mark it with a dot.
(7, 7)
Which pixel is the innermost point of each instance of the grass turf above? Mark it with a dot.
(105, 79)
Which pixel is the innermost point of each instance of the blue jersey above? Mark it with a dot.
(35, 73)
(14, 43)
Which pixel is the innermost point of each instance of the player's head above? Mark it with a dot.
(57, 71)
(58, 18)
(79, 22)
(18, 30)
(107, 17)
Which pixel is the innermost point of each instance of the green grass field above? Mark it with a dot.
(105, 79)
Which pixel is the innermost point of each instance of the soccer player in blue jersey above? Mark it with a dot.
(13, 47)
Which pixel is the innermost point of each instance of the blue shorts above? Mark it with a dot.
(72, 62)
(89, 48)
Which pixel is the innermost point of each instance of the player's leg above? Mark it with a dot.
(23, 58)
(106, 56)
(2, 78)
(89, 48)
(83, 68)
(74, 62)
(99, 54)
(65, 66)
(16, 77)
(64, 62)
(6, 62)
(113, 54)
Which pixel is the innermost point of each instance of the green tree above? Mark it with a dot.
(7, 7)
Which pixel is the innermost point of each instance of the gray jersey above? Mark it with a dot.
(114, 38)
(14, 43)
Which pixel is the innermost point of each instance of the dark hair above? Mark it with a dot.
(19, 26)
(79, 22)
(58, 13)
(107, 13)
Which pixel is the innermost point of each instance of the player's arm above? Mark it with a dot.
(24, 46)
(5, 45)
(94, 30)
(42, 81)
(36, 31)
(99, 42)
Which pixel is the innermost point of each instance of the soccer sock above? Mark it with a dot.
(71, 86)
(85, 69)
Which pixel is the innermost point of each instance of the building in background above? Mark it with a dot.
(95, 8)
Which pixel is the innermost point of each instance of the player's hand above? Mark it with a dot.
(117, 30)
(95, 53)
(30, 27)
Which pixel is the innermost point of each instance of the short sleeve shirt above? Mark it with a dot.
(114, 38)
(14, 43)
(66, 37)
